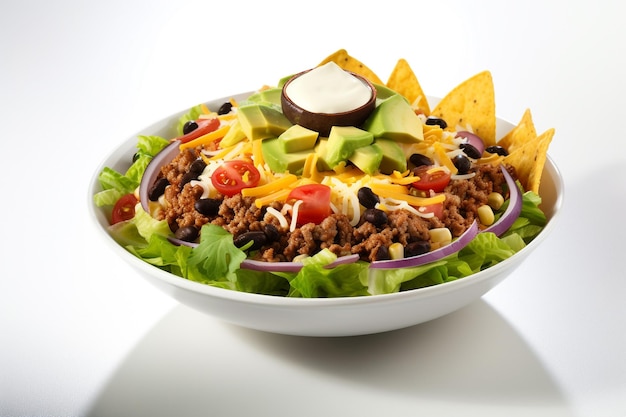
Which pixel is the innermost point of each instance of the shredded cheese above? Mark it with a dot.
(294, 216)
(208, 138)
(265, 189)
(278, 215)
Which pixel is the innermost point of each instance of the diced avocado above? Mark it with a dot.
(298, 138)
(259, 121)
(234, 135)
(367, 158)
(268, 96)
(279, 161)
(395, 119)
(283, 80)
(393, 156)
(383, 93)
(320, 150)
(342, 141)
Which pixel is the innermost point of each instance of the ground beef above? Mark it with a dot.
(239, 215)
(463, 197)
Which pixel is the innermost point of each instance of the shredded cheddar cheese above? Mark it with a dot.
(205, 139)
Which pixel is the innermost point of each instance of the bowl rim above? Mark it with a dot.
(99, 221)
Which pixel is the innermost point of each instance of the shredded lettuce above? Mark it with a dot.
(115, 184)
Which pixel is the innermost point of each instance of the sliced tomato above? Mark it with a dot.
(124, 208)
(435, 180)
(315, 206)
(204, 126)
(233, 176)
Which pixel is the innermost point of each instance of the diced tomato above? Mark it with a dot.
(436, 209)
(233, 176)
(315, 206)
(204, 126)
(436, 180)
(124, 208)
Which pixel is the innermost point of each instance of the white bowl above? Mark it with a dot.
(322, 316)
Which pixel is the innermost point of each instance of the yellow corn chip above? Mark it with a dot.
(523, 133)
(404, 81)
(529, 160)
(471, 104)
(349, 63)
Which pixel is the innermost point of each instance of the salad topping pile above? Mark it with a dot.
(242, 198)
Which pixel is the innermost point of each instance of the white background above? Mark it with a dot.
(82, 335)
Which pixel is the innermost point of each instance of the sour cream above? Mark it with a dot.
(328, 89)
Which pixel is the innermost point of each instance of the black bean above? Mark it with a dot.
(208, 206)
(197, 167)
(187, 233)
(431, 121)
(470, 150)
(375, 216)
(367, 198)
(462, 163)
(188, 176)
(271, 232)
(225, 108)
(257, 238)
(382, 254)
(419, 160)
(189, 126)
(497, 150)
(158, 188)
(416, 248)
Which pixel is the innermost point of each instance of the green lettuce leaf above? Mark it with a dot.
(216, 258)
(314, 280)
(115, 184)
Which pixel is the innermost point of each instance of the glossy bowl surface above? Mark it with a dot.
(323, 122)
(331, 316)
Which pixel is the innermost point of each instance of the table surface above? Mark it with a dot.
(82, 335)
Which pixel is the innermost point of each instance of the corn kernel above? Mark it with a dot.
(485, 214)
(440, 235)
(396, 251)
(495, 200)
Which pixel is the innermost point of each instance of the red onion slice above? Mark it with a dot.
(473, 140)
(292, 266)
(513, 210)
(164, 157)
(429, 257)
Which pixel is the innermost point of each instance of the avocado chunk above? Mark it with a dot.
(320, 150)
(270, 96)
(342, 141)
(393, 156)
(259, 121)
(367, 158)
(395, 119)
(383, 93)
(234, 135)
(298, 138)
(280, 161)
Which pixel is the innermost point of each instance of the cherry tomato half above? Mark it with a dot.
(436, 180)
(124, 208)
(233, 176)
(204, 126)
(315, 206)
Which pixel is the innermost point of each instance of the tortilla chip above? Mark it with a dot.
(404, 81)
(521, 134)
(529, 160)
(349, 63)
(472, 106)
